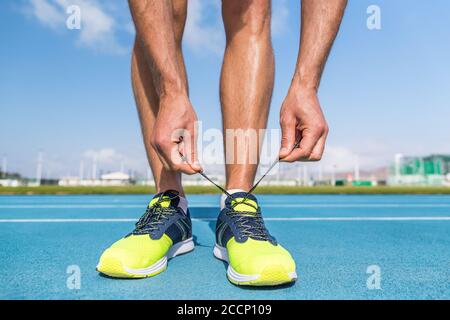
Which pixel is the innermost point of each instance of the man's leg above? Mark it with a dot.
(247, 80)
(145, 251)
(254, 256)
(147, 101)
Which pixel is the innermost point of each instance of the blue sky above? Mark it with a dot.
(67, 92)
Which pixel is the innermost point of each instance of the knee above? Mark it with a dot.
(252, 16)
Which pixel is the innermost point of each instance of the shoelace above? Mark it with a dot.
(251, 223)
(154, 216)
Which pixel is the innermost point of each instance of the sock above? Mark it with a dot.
(224, 196)
(183, 204)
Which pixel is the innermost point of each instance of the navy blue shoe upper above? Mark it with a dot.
(171, 220)
(241, 224)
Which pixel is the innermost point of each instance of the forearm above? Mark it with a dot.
(319, 27)
(155, 30)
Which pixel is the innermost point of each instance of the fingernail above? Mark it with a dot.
(196, 166)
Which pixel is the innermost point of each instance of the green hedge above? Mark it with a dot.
(55, 190)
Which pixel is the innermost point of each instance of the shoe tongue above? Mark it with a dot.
(246, 202)
(166, 199)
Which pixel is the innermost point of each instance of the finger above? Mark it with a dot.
(317, 152)
(190, 144)
(188, 150)
(288, 130)
(185, 166)
(307, 143)
(168, 150)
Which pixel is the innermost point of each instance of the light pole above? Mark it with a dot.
(4, 166)
(39, 169)
(81, 172)
(305, 175)
(398, 161)
(333, 175)
(357, 168)
(94, 167)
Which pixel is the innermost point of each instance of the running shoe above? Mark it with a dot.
(254, 257)
(163, 232)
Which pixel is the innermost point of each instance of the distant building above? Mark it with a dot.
(108, 179)
(70, 181)
(10, 182)
(115, 178)
(429, 170)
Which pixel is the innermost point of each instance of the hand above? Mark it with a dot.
(175, 135)
(301, 118)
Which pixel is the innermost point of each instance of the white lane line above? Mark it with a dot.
(213, 219)
(359, 205)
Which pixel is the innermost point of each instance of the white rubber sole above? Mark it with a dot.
(159, 266)
(221, 253)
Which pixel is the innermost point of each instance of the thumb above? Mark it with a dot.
(191, 150)
(287, 137)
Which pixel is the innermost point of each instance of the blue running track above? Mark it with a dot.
(333, 238)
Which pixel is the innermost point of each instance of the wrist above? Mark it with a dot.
(173, 99)
(172, 88)
(304, 88)
(306, 80)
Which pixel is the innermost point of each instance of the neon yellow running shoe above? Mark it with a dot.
(163, 232)
(254, 257)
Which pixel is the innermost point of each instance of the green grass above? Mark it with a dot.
(57, 190)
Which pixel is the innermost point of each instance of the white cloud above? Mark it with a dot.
(47, 13)
(98, 27)
(104, 155)
(129, 27)
(280, 14)
(201, 35)
(344, 158)
(110, 159)
(340, 157)
(99, 23)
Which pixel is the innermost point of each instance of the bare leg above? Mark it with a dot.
(246, 81)
(147, 100)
